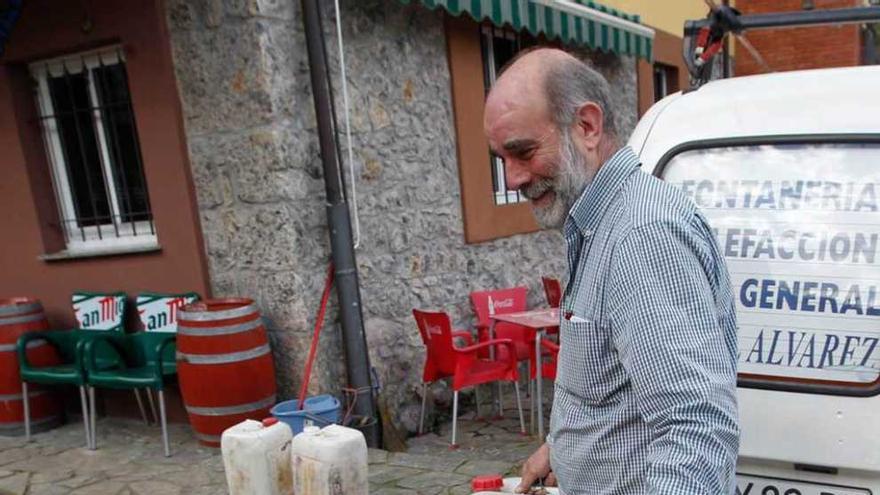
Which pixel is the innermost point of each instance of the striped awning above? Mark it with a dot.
(577, 22)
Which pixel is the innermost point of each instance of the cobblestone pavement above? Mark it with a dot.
(430, 467)
(129, 460)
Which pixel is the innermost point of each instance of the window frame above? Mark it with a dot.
(488, 33)
(484, 220)
(86, 238)
(668, 74)
(768, 382)
(667, 51)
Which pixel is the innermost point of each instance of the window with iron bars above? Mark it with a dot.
(499, 47)
(665, 81)
(92, 143)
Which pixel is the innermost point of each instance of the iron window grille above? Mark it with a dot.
(499, 46)
(91, 139)
(665, 81)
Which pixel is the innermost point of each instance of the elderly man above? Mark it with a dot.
(645, 397)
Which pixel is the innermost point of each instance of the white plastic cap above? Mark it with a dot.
(311, 430)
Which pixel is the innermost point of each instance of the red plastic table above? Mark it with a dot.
(539, 320)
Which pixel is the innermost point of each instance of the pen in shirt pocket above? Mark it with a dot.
(574, 318)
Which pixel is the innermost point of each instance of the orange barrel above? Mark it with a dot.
(18, 316)
(224, 365)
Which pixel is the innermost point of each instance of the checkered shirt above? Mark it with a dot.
(645, 397)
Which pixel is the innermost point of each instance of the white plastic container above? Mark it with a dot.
(256, 457)
(329, 461)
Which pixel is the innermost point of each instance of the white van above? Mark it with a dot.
(786, 167)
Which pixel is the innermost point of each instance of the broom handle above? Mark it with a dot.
(314, 348)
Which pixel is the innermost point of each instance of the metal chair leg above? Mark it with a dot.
(164, 423)
(454, 418)
(424, 402)
(152, 403)
(477, 399)
(85, 412)
(137, 396)
(532, 411)
(500, 402)
(93, 416)
(27, 411)
(522, 423)
(529, 382)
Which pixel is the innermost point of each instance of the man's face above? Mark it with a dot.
(540, 160)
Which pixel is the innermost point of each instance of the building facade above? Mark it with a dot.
(814, 47)
(666, 73)
(171, 145)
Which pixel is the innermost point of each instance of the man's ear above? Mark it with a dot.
(589, 125)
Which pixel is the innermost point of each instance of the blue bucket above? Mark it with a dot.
(321, 410)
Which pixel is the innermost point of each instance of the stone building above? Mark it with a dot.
(225, 124)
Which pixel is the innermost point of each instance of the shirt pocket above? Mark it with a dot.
(588, 365)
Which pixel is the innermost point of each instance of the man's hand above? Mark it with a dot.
(537, 467)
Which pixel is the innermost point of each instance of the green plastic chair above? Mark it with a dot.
(68, 372)
(97, 314)
(158, 313)
(145, 360)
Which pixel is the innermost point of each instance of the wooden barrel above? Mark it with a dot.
(18, 316)
(224, 365)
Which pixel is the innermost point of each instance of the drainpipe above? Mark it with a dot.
(347, 288)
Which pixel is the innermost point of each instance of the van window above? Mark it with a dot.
(800, 229)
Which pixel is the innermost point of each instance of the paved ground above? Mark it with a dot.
(129, 461)
(430, 467)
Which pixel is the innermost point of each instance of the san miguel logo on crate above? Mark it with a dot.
(99, 311)
(159, 313)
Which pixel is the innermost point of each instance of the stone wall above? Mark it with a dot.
(243, 78)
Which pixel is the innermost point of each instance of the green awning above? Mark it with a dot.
(578, 22)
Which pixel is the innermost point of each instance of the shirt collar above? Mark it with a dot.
(597, 196)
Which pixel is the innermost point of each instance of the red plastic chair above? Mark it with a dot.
(553, 291)
(462, 364)
(511, 300)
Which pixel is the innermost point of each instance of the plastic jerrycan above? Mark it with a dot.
(256, 457)
(329, 461)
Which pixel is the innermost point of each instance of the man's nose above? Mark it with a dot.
(515, 174)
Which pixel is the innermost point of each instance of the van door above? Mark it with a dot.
(798, 222)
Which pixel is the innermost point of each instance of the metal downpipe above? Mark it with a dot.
(347, 287)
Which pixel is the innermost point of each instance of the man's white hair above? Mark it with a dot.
(569, 84)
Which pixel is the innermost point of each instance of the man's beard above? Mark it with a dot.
(572, 176)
